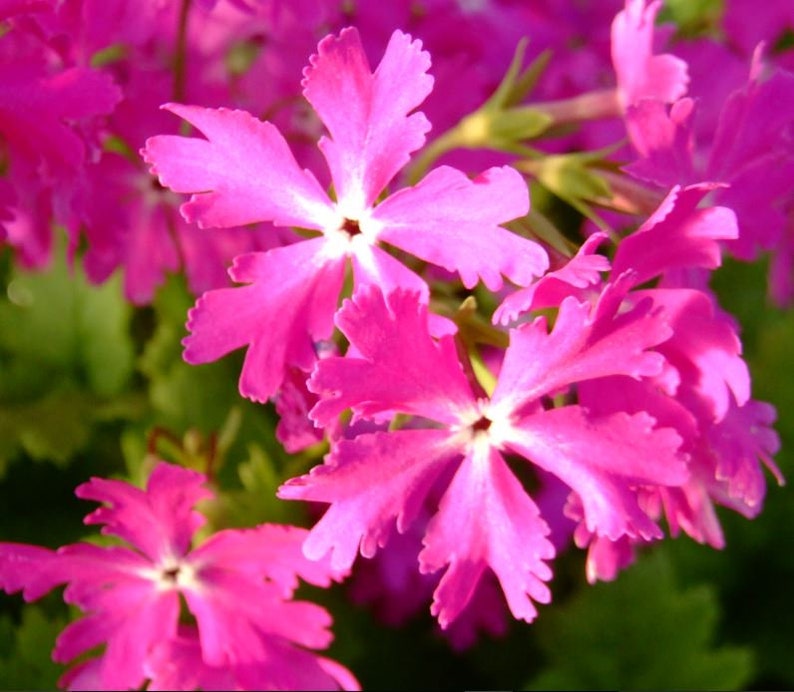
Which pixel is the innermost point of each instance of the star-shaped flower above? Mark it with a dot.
(244, 172)
(485, 519)
(237, 587)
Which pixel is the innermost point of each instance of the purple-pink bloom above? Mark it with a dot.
(703, 392)
(237, 586)
(485, 520)
(640, 73)
(40, 114)
(245, 172)
(749, 151)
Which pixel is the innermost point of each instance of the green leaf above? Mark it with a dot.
(517, 124)
(105, 346)
(570, 177)
(256, 501)
(25, 662)
(53, 427)
(639, 632)
(56, 322)
(692, 17)
(210, 389)
(66, 360)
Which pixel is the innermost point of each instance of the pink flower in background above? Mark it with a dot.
(640, 73)
(747, 23)
(750, 152)
(128, 221)
(244, 172)
(237, 586)
(485, 519)
(44, 147)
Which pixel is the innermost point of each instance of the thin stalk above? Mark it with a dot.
(180, 55)
(593, 105)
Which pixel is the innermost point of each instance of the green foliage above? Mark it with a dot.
(58, 322)
(575, 179)
(692, 17)
(211, 389)
(25, 662)
(639, 632)
(65, 352)
(54, 426)
(756, 582)
(254, 502)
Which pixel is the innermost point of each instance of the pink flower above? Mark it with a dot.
(40, 117)
(749, 151)
(237, 586)
(244, 172)
(484, 519)
(640, 73)
(703, 392)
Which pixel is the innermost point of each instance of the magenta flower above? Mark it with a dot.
(237, 586)
(640, 73)
(485, 519)
(244, 172)
(748, 150)
(704, 390)
(44, 148)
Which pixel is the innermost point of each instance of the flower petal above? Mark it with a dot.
(398, 366)
(578, 277)
(487, 520)
(579, 348)
(289, 303)
(29, 569)
(243, 172)
(159, 521)
(603, 460)
(640, 73)
(453, 221)
(370, 481)
(366, 113)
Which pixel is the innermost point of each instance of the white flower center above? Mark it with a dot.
(175, 574)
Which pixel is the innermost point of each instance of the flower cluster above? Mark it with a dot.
(489, 389)
(623, 399)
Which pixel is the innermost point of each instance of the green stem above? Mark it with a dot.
(433, 151)
(631, 196)
(180, 56)
(593, 105)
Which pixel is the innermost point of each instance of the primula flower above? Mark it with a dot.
(237, 586)
(640, 73)
(43, 146)
(485, 519)
(749, 151)
(244, 172)
(704, 390)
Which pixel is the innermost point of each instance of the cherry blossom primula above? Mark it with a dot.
(244, 172)
(640, 73)
(484, 519)
(704, 390)
(240, 629)
(749, 149)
